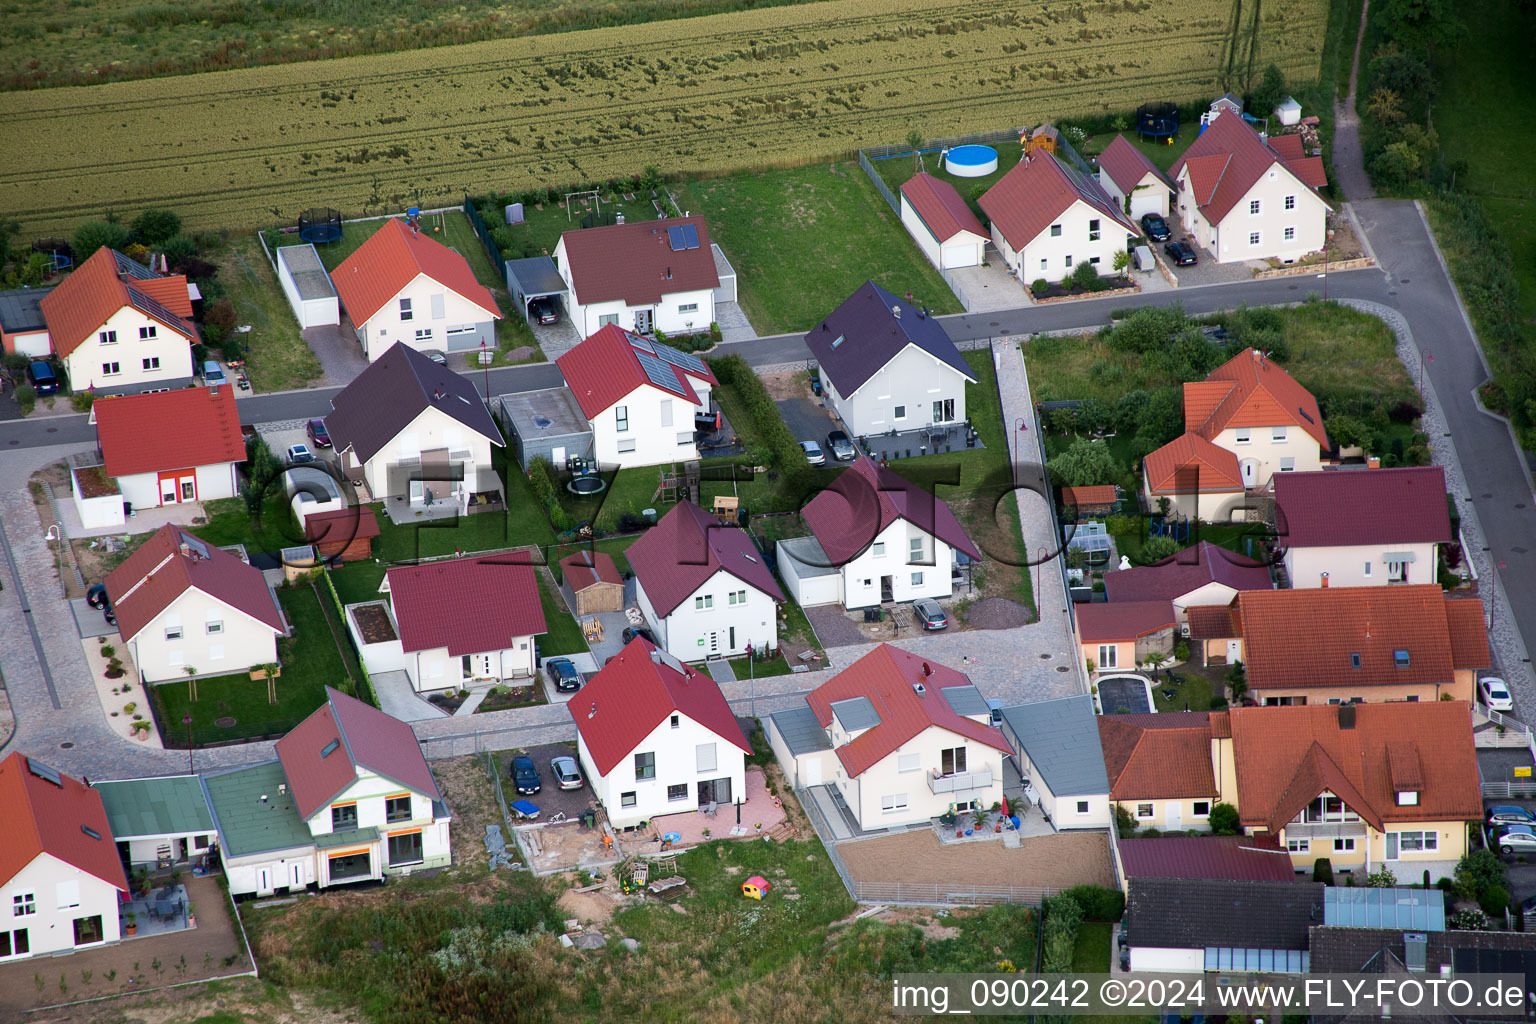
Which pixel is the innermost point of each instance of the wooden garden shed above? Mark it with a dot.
(345, 535)
(595, 581)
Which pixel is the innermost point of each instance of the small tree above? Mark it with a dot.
(1155, 549)
(1322, 871)
(94, 234)
(1266, 96)
(271, 670)
(1086, 276)
(153, 226)
(1224, 820)
(1155, 659)
(1237, 681)
(1122, 258)
(1085, 463)
(915, 140)
(191, 683)
(1125, 825)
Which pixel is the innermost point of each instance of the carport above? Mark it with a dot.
(535, 278)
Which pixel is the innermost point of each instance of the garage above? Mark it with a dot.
(808, 574)
(307, 286)
(535, 278)
(942, 223)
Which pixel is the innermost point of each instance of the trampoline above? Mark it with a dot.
(970, 161)
(320, 225)
(1157, 122)
(587, 485)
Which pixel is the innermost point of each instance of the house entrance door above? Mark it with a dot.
(644, 321)
(1250, 473)
(1234, 651)
(714, 643)
(887, 588)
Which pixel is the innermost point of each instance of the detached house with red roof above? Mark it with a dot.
(60, 872)
(896, 739)
(164, 448)
(1048, 219)
(120, 328)
(349, 798)
(652, 275)
(402, 286)
(639, 396)
(181, 601)
(704, 587)
(656, 737)
(1132, 181)
(1247, 198)
(940, 221)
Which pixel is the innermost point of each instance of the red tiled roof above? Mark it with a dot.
(847, 516)
(582, 569)
(468, 605)
(1305, 637)
(1469, 634)
(154, 576)
(168, 430)
(92, 294)
(1186, 571)
(1385, 506)
(1250, 858)
(940, 207)
(1036, 192)
(1084, 497)
(634, 692)
(1189, 463)
(43, 818)
(1286, 756)
(1229, 158)
(344, 525)
(1123, 621)
(392, 258)
(1293, 151)
(886, 677)
(631, 262)
(1249, 390)
(606, 367)
(365, 737)
(1127, 166)
(679, 555)
(1214, 622)
(1158, 756)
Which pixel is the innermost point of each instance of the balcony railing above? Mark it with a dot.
(1327, 830)
(960, 782)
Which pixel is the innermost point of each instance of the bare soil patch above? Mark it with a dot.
(787, 384)
(595, 907)
(472, 799)
(1059, 861)
(997, 613)
(373, 622)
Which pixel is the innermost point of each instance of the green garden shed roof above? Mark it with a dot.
(139, 808)
(255, 811)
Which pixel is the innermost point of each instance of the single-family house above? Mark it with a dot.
(1173, 924)
(1132, 181)
(463, 621)
(1244, 197)
(875, 537)
(1160, 768)
(656, 737)
(1404, 946)
(1341, 644)
(1199, 576)
(23, 328)
(59, 869)
(159, 822)
(349, 798)
(940, 221)
(901, 740)
(182, 602)
(1055, 744)
(1396, 520)
(409, 428)
(594, 580)
(704, 587)
(644, 276)
(639, 396)
(1120, 635)
(1235, 858)
(342, 535)
(403, 286)
(886, 365)
(1247, 421)
(164, 448)
(1048, 218)
(120, 328)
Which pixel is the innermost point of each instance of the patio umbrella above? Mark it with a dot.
(1005, 807)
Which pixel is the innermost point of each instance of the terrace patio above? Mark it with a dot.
(759, 813)
(906, 444)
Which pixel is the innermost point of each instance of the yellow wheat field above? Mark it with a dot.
(771, 87)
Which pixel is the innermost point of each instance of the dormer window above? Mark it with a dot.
(1354, 661)
(1407, 798)
(1400, 658)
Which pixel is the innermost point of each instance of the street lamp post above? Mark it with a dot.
(485, 366)
(186, 720)
(56, 534)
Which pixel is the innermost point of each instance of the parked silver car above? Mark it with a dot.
(566, 772)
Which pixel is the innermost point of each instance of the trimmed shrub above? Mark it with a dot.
(1322, 871)
(1097, 902)
(541, 476)
(1040, 286)
(1224, 820)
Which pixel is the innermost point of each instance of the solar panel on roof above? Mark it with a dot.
(44, 772)
(154, 308)
(687, 360)
(643, 344)
(132, 267)
(659, 372)
(675, 236)
(690, 236)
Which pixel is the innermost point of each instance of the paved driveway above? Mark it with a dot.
(1207, 271)
(340, 354)
(807, 420)
(550, 799)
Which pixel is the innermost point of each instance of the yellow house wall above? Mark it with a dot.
(1461, 689)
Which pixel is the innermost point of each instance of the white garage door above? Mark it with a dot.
(962, 254)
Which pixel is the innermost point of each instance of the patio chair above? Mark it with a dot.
(710, 809)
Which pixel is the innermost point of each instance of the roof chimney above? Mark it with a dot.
(1324, 583)
(896, 312)
(1346, 716)
(592, 713)
(919, 689)
(186, 551)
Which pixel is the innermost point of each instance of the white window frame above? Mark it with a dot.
(908, 763)
(627, 799)
(1255, 238)
(1069, 261)
(917, 579)
(173, 632)
(1298, 845)
(893, 803)
(1287, 464)
(1290, 202)
(1407, 798)
(1290, 234)
(1082, 807)
(1242, 435)
(639, 767)
(1094, 230)
(1279, 434)
(666, 412)
(916, 551)
(424, 334)
(152, 363)
(688, 307)
(213, 626)
(703, 602)
(23, 904)
(877, 549)
(1055, 233)
(621, 418)
(736, 597)
(1195, 810)
(899, 413)
(1145, 812)
(626, 445)
(1344, 844)
(1367, 573)
(606, 319)
(1109, 655)
(671, 799)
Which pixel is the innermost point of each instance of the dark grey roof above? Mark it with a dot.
(809, 557)
(549, 413)
(384, 399)
(535, 276)
(1411, 910)
(1178, 913)
(20, 310)
(1061, 738)
(966, 700)
(855, 713)
(1340, 950)
(872, 334)
(801, 732)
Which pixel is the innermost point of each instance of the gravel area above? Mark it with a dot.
(833, 627)
(997, 613)
(1062, 860)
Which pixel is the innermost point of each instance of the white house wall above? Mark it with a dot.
(861, 576)
(1264, 453)
(261, 874)
(436, 669)
(1308, 221)
(648, 610)
(1063, 809)
(901, 394)
(694, 634)
(369, 794)
(965, 249)
(677, 758)
(97, 513)
(885, 778)
(173, 350)
(919, 231)
(51, 929)
(243, 642)
(1147, 196)
(309, 312)
(1346, 565)
(430, 430)
(440, 319)
(808, 591)
(1047, 256)
(649, 437)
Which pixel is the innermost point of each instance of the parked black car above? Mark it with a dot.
(525, 776)
(562, 672)
(630, 632)
(1181, 254)
(544, 310)
(1155, 227)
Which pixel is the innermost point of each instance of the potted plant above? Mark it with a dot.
(191, 915)
(132, 927)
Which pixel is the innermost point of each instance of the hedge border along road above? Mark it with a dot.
(776, 87)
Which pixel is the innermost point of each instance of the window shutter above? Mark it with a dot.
(705, 757)
(438, 312)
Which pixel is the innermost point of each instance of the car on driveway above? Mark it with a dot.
(437, 356)
(929, 615)
(841, 448)
(1515, 839)
(42, 378)
(544, 310)
(524, 775)
(1495, 693)
(318, 435)
(813, 453)
(566, 772)
(630, 632)
(1181, 254)
(213, 374)
(300, 453)
(1509, 814)
(1155, 227)
(562, 672)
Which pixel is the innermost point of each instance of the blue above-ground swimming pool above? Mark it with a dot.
(970, 161)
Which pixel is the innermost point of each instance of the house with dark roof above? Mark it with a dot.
(460, 622)
(643, 276)
(163, 448)
(181, 601)
(1160, 769)
(120, 328)
(1056, 746)
(1390, 535)
(1193, 925)
(1132, 181)
(349, 798)
(402, 286)
(640, 397)
(1048, 218)
(902, 739)
(1201, 575)
(1235, 858)
(59, 868)
(887, 365)
(655, 737)
(1245, 197)
(875, 538)
(23, 328)
(941, 222)
(409, 428)
(703, 587)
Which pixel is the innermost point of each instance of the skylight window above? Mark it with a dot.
(330, 748)
(838, 340)
(90, 831)
(1354, 661)
(1400, 659)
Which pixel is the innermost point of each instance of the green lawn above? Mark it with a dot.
(898, 170)
(562, 633)
(316, 662)
(230, 522)
(1093, 947)
(543, 227)
(802, 240)
(523, 524)
(277, 356)
(1197, 689)
(356, 582)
